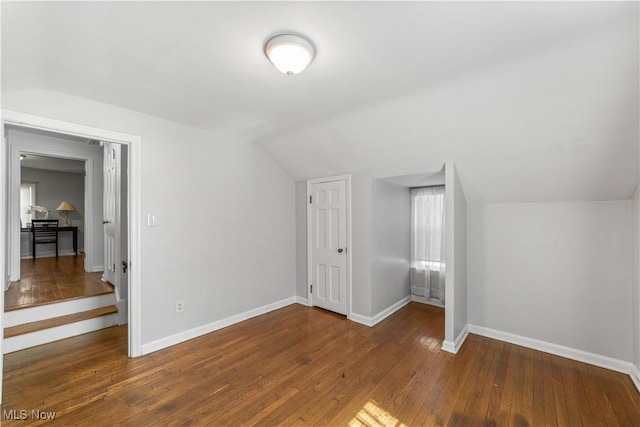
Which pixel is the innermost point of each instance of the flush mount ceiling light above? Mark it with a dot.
(290, 53)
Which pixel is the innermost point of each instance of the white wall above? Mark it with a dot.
(24, 139)
(556, 272)
(52, 188)
(237, 256)
(301, 239)
(361, 241)
(390, 245)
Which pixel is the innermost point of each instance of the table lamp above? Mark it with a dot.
(65, 207)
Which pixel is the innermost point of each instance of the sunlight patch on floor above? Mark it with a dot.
(430, 343)
(371, 415)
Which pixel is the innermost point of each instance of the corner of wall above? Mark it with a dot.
(454, 346)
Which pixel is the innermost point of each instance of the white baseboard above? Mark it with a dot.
(363, 320)
(390, 310)
(301, 300)
(429, 301)
(213, 326)
(454, 346)
(635, 376)
(372, 321)
(50, 254)
(20, 342)
(562, 351)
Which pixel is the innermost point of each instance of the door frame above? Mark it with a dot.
(118, 224)
(14, 198)
(310, 182)
(133, 143)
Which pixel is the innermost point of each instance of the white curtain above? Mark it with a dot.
(427, 242)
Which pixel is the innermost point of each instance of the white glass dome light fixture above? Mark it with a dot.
(290, 53)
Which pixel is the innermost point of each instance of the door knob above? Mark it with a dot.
(105, 222)
(340, 250)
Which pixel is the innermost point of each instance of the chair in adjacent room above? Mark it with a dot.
(44, 231)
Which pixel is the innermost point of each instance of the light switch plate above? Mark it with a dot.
(152, 221)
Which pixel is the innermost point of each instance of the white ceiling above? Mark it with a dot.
(532, 101)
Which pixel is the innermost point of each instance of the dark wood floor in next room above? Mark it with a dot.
(49, 280)
(305, 366)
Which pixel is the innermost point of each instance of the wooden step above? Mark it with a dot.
(40, 325)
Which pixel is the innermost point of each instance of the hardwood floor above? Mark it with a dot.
(305, 366)
(47, 280)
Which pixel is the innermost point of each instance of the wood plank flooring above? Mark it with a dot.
(48, 280)
(305, 366)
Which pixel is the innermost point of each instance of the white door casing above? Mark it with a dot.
(14, 179)
(4, 242)
(111, 213)
(328, 238)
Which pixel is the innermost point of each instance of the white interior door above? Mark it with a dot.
(328, 245)
(111, 212)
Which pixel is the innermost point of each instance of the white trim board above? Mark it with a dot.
(372, 321)
(214, 326)
(562, 351)
(454, 346)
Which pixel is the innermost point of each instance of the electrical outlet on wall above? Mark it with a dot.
(179, 306)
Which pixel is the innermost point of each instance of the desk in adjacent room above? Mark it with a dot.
(73, 229)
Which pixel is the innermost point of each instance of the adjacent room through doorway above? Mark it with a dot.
(58, 287)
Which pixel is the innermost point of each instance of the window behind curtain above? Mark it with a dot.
(27, 198)
(427, 242)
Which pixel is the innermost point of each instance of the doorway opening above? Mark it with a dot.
(328, 241)
(51, 297)
(428, 245)
(51, 188)
(130, 193)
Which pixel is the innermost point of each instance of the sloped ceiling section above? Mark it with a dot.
(532, 101)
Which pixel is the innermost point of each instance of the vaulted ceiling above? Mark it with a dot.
(532, 101)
